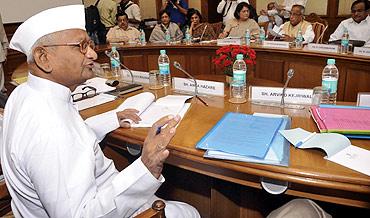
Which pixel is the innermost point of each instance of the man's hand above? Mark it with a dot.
(155, 145)
(288, 38)
(128, 114)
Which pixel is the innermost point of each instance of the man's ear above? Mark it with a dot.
(41, 58)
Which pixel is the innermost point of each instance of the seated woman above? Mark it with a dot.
(159, 31)
(122, 32)
(199, 31)
(243, 21)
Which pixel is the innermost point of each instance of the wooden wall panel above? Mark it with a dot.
(267, 67)
(137, 62)
(357, 79)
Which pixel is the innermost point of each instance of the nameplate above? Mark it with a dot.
(273, 94)
(204, 86)
(275, 44)
(139, 76)
(229, 41)
(363, 99)
(361, 51)
(322, 48)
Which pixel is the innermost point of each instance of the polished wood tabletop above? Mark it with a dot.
(309, 174)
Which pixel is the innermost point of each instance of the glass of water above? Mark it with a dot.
(154, 80)
(320, 95)
(237, 92)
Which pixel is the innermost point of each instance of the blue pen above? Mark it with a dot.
(305, 139)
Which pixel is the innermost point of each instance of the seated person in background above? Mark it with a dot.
(358, 26)
(296, 23)
(57, 168)
(284, 10)
(122, 32)
(198, 30)
(177, 10)
(159, 31)
(273, 19)
(227, 8)
(133, 12)
(236, 27)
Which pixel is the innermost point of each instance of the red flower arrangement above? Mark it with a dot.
(226, 55)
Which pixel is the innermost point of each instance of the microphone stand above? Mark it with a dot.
(290, 74)
(178, 66)
(107, 53)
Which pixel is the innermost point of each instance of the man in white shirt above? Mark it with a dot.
(4, 44)
(285, 9)
(51, 158)
(272, 18)
(296, 22)
(227, 8)
(358, 26)
(133, 12)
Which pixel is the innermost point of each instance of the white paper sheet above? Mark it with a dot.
(94, 101)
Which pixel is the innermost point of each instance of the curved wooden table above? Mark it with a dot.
(309, 174)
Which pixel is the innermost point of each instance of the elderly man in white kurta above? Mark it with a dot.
(51, 159)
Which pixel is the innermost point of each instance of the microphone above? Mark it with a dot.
(108, 54)
(290, 74)
(178, 66)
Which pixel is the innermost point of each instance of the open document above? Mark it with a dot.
(151, 111)
(337, 147)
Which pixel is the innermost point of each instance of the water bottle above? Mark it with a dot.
(142, 37)
(240, 69)
(262, 35)
(330, 76)
(344, 42)
(114, 62)
(299, 39)
(248, 37)
(168, 37)
(187, 36)
(164, 68)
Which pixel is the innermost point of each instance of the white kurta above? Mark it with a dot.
(53, 164)
(230, 7)
(356, 31)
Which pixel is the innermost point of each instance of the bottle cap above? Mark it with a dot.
(331, 61)
(239, 57)
(162, 52)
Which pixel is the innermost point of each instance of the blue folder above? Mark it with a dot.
(278, 154)
(242, 134)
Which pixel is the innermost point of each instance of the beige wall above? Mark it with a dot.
(319, 7)
(148, 9)
(345, 7)
(195, 4)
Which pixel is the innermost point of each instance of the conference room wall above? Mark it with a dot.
(318, 7)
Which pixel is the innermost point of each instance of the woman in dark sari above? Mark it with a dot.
(199, 31)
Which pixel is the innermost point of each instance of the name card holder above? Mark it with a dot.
(273, 94)
(322, 48)
(139, 76)
(276, 44)
(229, 41)
(204, 86)
(363, 51)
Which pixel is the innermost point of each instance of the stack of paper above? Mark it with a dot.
(354, 122)
(249, 138)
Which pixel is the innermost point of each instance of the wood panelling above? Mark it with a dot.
(357, 80)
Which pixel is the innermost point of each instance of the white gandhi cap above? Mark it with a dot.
(46, 22)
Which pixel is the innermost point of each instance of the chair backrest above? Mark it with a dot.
(265, 25)
(156, 211)
(319, 26)
(217, 27)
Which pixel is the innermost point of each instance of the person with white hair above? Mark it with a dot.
(51, 158)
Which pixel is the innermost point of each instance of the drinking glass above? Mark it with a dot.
(154, 80)
(320, 95)
(237, 92)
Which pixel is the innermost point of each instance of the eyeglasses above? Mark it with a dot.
(84, 45)
(295, 15)
(89, 93)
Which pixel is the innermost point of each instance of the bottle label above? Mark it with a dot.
(239, 75)
(330, 84)
(344, 42)
(168, 37)
(187, 36)
(164, 69)
(114, 63)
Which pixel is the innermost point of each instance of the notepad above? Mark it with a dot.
(346, 120)
(241, 134)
